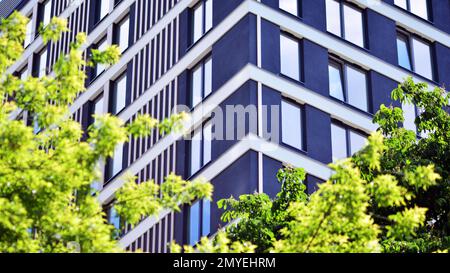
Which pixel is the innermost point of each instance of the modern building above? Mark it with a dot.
(303, 77)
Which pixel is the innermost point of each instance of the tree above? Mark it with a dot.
(260, 218)
(47, 203)
(335, 218)
(405, 152)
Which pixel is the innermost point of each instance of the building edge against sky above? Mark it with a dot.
(305, 77)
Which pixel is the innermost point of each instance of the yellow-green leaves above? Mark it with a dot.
(106, 133)
(11, 39)
(406, 222)
(422, 177)
(137, 200)
(387, 193)
(220, 244)
(52, 31)
(46, 200)
(108, 56)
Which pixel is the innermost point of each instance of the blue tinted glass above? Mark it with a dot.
(194, 224)
(206, 217)
(403, 53)
(114, 218)
(335, 81)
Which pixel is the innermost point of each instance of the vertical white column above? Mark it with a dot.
(260, 117)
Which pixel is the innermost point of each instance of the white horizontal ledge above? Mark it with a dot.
(408, 21)
(249, 72)
(333, 44)
(296, 27)
(250, 143)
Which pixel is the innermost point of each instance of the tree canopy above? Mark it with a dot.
(47, 203)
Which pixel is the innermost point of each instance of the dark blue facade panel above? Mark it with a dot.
(318, 134)
(184, 37)
(239, 178)
(245, 96)
(315, 63)
(443, 64)
(271, 186)
(221, 9)
(382, 37)
(312, 183)
(381, 88)
(271, 3)
(314, 13)
(234, 50)
(270, 46)
(271, 100)
(441, 14)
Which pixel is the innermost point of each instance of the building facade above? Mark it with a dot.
(267, 83)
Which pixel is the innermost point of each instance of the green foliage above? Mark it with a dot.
(137, 200)
(421, 165)
(220, 244)
(335, 218)
(46, 200)
(259, 218)
(53, 30)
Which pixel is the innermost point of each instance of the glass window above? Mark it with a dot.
(117, 160)
(206, 217)
(290, 57)
(98, 106)
(207, 142)
(346, 21)
(194, 223)
(47, 10)
(404, 59)
(415, 54)
(123, 30)
(28, 33)
(119, 94)
(201, 147)
(201, 81)
(357, 142)
(104, 8)
(208, 15)
(417, 7)
(422, 58)
(333, 17)
(291, 125)
(353, 22)
(409, 113)
(338, 142)
(196, 151)
(199, 220)
(335, 81)
(290, 6)
(113, 217)
(349, 85)
(35, 123)
(345, 142)
(42, 63)
(23, 74)
(356, 88)
(101, 67)
(401, 3)
(201, 19)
